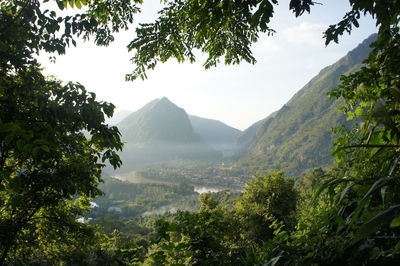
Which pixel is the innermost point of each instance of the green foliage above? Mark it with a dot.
(354, 216)
(359, 227)
(143, 199)
(202, 238)
(48, 167)
(224, 29)
(45, 158)
(368, 154)
(297, 137)
(268, 200)
(196, 173)
(227, 29)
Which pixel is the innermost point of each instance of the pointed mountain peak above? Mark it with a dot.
(159, 120)
(165, 99)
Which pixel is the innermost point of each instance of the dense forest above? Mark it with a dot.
(298, 137)
(57, 208)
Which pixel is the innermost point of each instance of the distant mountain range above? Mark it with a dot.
(118, 117)
(297, 137)
(158, 121)
(216, 134)
(161, 131)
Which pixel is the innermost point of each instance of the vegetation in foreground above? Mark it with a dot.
(353, 217)
(277, 221)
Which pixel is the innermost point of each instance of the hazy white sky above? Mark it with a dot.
(236, 95)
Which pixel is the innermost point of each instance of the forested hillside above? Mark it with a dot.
(51, 172)
(298, 136)
(129, 200)
(246, 138)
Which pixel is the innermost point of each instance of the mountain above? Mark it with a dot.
(244, 139)
(118, 117)
(216, 134)
(298, 137)
(159, 132)
(159, 120)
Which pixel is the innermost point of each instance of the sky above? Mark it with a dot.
(237, 95)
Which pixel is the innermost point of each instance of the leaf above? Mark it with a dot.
(378, 184)
(358, 111)
(350, 115)
(396, 248)
(377, 221)
(78, 4)
(273, 261)
(344, 192)
(61, 4)
(45, 148)
(383, 193)
(332, 182)
(41, 142)
(395, 222)
(374, 151)
(360, 207)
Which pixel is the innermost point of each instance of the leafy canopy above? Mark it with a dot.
(48, 167)
(218, 28)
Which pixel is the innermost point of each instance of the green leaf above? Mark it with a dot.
(350, 115)
(358, 111)
(45, 148)
(344, 192)
(376, 222)
(61, 4)
(374, 151)
(383, 193)
(396, 248)
(78, 4)
(378, 184)
(395, 222)
(41, 142)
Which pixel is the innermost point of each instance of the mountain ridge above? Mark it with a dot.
(297, 138)
(159, 132)
(215, 133)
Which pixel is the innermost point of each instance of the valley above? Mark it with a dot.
(164, 143)
(171, 157)
(313, 181)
